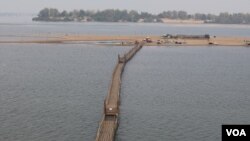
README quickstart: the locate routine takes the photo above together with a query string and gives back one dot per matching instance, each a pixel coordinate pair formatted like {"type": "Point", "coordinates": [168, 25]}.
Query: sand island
{"type": "Point", "coordinates": [151, 40]}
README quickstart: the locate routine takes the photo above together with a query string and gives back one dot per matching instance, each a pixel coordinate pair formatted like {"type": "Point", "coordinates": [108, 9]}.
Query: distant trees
{"type": "Point", "coordinates": [237, 18]}
{"type": "Point", "coordinates": [44, 13]}
{"type": "Point", "coordinates": [49, 13]}
{"type": "Point", "coordinates": [109, 15]}
{"type": "Point", "coordinates": [222, 18]}
{"type": "Point", "coordinates": [134, 16]}
{"type": "Point", "coordinates": [174, 15]}
{"type": "Point", "coordinates": [182, 15]}
{"type": "Point", "coordinates": [63, 14]}
{"type": "Point", "coordinates": [115, 15]}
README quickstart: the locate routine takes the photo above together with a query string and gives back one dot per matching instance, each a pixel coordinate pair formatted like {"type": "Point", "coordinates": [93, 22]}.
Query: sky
{"type": "Point", "coordinates": [152, 6]}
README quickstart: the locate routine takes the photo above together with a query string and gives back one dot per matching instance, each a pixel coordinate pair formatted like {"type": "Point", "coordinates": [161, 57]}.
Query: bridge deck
{"type": "Point", "coordinates": [115, 87]}
{"type": "Point", "coordinates": [107, 129]}
{"type": "Point", "coordinates": [109, 123]}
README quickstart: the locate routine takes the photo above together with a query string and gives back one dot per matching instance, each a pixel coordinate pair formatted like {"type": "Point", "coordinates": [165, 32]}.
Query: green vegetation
{"type": "Point", "coordinates": [111, 15]}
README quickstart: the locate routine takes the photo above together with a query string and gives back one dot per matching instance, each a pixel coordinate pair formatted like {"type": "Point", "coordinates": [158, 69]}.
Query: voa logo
{"type": "Point", "coordinates": [236, 132]}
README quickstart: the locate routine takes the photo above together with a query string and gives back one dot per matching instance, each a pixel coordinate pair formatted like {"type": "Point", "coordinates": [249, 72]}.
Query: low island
{"type": "Point", "coordinates": [153, 40]}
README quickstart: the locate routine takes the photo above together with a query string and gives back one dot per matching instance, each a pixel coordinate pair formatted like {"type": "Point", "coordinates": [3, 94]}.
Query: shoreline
{"type": "Point", "coordinates": [124, 40]}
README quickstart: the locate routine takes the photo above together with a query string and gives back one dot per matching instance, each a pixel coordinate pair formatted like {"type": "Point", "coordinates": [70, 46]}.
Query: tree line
{"type": "Point", "coordinates": [115, 15]}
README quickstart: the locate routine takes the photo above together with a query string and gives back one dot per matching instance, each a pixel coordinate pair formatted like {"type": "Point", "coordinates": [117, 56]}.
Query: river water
{"type": "Point", "coordinates": [184, 94]}
{"type": "Point", "coordinates": [35, 30]}
{"type": "Point", "coordinates": [56, 92]}
{"type": "Point", "coordinates": [51, 92]}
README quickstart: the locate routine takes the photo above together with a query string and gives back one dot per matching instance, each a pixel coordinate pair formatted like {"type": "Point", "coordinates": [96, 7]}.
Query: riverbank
{"type": "Point", "coordinates": [130, 39]}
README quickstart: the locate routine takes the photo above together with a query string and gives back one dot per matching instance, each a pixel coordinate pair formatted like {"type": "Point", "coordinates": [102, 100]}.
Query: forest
{"type": "Point", "coordinates": [116, 15]}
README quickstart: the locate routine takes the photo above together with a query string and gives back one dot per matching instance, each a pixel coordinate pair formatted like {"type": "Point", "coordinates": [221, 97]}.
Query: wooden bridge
{"type": "Point", "coordinates": [109, 123]}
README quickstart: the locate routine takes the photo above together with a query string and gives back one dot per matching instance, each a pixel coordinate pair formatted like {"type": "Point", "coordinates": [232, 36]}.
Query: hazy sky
{"type": "Point", "coordinates": [153, 6]}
